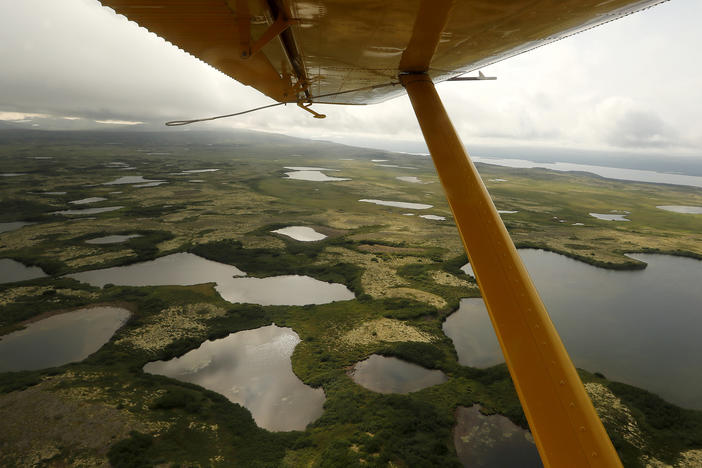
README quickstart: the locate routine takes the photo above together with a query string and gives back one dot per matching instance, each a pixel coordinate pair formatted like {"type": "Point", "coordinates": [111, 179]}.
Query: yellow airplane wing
{"type": "Point", "coordinates": [312, 48]}
{"type": "Point", "coordinates": [365, 51]}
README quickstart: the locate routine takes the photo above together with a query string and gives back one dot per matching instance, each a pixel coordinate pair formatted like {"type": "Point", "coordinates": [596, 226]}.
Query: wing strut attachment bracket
{"type": "Point", "coordinates": [249, 49]}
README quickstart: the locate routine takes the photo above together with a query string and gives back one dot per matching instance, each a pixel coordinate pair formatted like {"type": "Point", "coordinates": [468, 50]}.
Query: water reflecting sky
{"type": "Point", "coordinates": [640, 327]}
{"type": "Point", "coordinates": [251, 368]}
{"type": "Point", "coordinates": [392, 375]}
{"type": "Point", "coordinates": [60, 339]}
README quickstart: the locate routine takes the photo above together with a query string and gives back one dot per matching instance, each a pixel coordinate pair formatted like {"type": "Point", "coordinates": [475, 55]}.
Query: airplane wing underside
{"type": "Point", "coordinates": [352, 51]}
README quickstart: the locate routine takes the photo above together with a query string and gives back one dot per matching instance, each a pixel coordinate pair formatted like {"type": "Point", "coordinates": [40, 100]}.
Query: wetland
{"type": "Point", "coordinates": [214, 290]}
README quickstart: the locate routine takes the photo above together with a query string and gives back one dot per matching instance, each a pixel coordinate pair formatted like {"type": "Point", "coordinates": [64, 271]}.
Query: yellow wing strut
{"type": "Point", "coordinates": [566, 428]}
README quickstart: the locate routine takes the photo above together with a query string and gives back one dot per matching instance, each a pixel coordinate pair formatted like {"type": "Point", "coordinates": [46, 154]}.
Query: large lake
{"type": "Point", "coordinates": [618, 173]}
{"type": "Point", "coordinates": [186, 269]}
{"type": "Point", "coordinates": [60, 339]}
{"type": "Point", "coordinates": [641, 327]}
{"type": "Point", "coordinates": [251, 368]}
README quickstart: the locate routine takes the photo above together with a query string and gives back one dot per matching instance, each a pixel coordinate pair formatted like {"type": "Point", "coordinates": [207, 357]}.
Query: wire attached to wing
{"type": "Point", "coordinates": [176, 123]}
{"type": "Point", "coordinates": [304, 104]}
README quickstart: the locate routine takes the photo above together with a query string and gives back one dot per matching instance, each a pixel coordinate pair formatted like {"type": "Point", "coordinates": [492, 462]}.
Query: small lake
{"type": "Point", "coordinates": [609, 217]}
{"type": "Point", "coordinates": [682, 209]}
{"type": "Point", "coordinates": [640, 327]}
{"type": "Point", "coordinates": [151, 184]}
{"type": "Point", "coordinates": [301, 233]}
{"type": "Point", "coordinates": [251, 368]}
{"type": "Point", "coordinates": [116, 239]}
{"type": "Point", "coordinates": [433, 217]}
{"type": "Point", "coordinates": [11, 271]}
{"type": "Point", "coordinates": [411, 179]}
{"type": "Point", "coordinates": [131, 180]}
{"type": "Point", "coordinates": [12, 226]}
{"type": "Point", "coordinates": [85, 201]}
{"type": "Point", "coordinates": [185, 269]}
{"type": "Point", "coordinates": [397, 204]}
{"type": "Point", "coordinates": [492, 441]}
{"type": "Point", "coordinates": [60, 339]}
{"type": "Point", "coordinates": [283, 290]}
{"type": "Point", "coordinates": [88, 211]}
{"type": "Point", "coordinates": [313, 174]}
{"type": "Point", "coordinates": [195, 171]}
{"type": "Point", "coordinates": [392, 375]}
{"type": "Point", "coordinates": [395, 166]}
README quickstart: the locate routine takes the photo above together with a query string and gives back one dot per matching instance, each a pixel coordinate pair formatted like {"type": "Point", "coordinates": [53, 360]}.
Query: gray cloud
{"type": "Point", "coordinates": [640, 129]}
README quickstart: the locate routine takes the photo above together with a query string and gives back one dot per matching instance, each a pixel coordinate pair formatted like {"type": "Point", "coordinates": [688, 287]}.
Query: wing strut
{"type": "Point", "coordinates": [564, 423]}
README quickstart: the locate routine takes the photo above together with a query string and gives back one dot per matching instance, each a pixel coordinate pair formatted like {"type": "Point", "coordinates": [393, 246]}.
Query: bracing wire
{"type": "Point", "coordinates": [176, 123]}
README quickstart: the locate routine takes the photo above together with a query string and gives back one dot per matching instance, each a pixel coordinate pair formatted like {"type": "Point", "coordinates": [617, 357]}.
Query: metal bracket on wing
{"type": "Point", "coordinates": [480, 77]}
{"type": "Point", "coordinates": [306, 106]}
{"type": "Point", "coordinates": [249, 48]}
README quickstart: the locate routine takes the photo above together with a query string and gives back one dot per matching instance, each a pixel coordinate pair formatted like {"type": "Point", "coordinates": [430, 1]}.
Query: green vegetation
{"type": "Point", "coordinates": [404, 270]}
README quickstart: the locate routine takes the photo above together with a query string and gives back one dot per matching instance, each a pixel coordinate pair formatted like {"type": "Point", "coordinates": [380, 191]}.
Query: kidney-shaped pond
{"type": "Point", "coordinates": [60, 339]}
{"type": "Point", "coordinates": [186, 269]}
{"type": "Point", "coordinates": [640, 327]}
{"type": "Point", "coordinates": [391, 375]}
{"type": "Point", "coordinates": [251, 368]}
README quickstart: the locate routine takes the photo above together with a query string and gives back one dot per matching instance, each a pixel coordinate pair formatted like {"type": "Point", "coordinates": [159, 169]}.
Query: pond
{"type": "Point", "coordinates": [84, 201]}
{"type": "Point", "coordinates": [151, 184]}
{"type": "Point", "coordinates": [115, 239]}
{"type": "Point", "coordinates": [195, 171]}
{"type": "Point", "coordinates": [682, 209]}
{"type": "Point", "coordinates": [392, 375]}
{"type": "Point", "coordinates": [411, 179]}
{"type": "Point", "coordinates": [433, 217]}
{"type": "Point", "coordinates": [313, 174]}
{"type": "Point", "coordinates": [396, 166]}
{"type": "Point", "coordinates": [301, 233]}
{"type": "Point", "coordinates": [640, 327]}
{"type": "Point", "coordinates": [60, 339]}
{"type": "Point", "coordinates": [131, 180]}
{"type": "Point", "coordinates": [251, 368]}
{"type": "Point", "coordinates": [397, 204]}
{"type": "Point", "coordinates": [184, 269]}
{"type": "Point", "coordinates": [12, 226]}
{"type": "Point", "coordinates": [492, 441]}
{"type": "Point", "coordinates": [11, 271]}
{"type": "Point", "coordinates": [88, 211]}
{"type": "Point", "coordinates": [609, 217]}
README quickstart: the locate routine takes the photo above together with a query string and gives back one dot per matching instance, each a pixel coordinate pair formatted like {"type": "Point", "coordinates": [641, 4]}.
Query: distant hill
{"type": "Point", "coordinates": [259, 144]}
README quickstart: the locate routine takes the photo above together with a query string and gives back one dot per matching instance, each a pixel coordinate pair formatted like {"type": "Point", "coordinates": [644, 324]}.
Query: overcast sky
{"type": "Point", "coordinates": [631, 85]}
